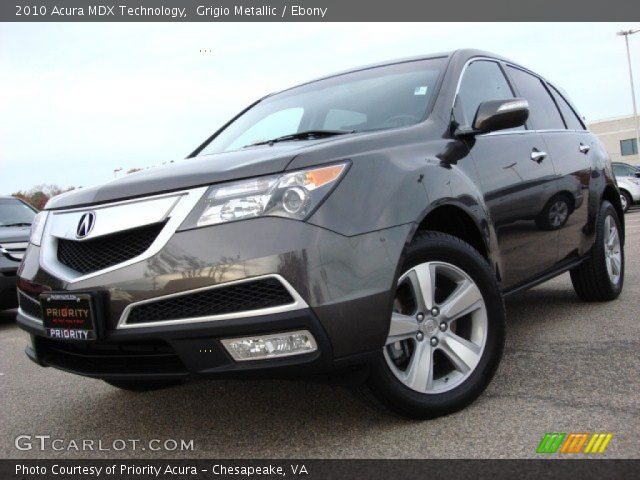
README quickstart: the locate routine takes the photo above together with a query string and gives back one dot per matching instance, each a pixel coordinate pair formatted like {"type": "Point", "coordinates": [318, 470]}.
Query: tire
{"type": "Point", "coordinates": [142, 385]}
{"type": "Point", "coordinates": [555, 213]}
{"type": "Point", "coordinates": [625, 200]}
{"type": "Point", "coordinates": [592, 280]}
{"type": "Point", "coordinates": [453, 256]}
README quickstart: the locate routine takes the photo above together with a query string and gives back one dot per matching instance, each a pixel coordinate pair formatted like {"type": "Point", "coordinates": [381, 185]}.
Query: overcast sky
{"type": "Point", "coordinates": [79, 100]}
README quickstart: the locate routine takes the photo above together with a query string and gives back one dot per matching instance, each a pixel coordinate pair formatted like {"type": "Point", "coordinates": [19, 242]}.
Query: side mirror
{"type": "Point", "coordinates": [495, 115]}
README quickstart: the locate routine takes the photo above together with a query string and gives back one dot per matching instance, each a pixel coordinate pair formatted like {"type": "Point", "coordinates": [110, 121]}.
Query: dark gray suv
{"type": "Point", "coordinates": [367, 222]}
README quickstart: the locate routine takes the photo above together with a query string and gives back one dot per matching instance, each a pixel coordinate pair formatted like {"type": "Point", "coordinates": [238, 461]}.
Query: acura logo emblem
{"type": "Point", "coordinates": [85, 225]}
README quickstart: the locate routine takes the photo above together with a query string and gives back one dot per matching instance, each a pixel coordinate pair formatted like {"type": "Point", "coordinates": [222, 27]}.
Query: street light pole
{"type": "Point", "coordinates": [625, 34]}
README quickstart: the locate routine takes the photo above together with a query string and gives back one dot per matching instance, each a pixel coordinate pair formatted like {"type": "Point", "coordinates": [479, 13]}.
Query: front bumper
{"type": "Point", "coordinates": [180, 351]}
{"type": "Point", "coordinates": [346, 284]}
{"type": "Point", "coordinates": [8, 298]}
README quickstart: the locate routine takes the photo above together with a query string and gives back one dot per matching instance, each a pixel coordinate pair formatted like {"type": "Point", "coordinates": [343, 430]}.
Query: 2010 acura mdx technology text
{"type": "Point", "coordinates": [370, 222]}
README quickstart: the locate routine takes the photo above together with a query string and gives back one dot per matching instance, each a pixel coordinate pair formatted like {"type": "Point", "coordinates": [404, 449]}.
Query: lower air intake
{"type": "Point", "coordinates": [252, 295]}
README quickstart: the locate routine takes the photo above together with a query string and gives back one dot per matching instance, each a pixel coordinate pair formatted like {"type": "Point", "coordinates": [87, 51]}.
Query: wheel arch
{"type": "Point", "coordinates": [456, 220]}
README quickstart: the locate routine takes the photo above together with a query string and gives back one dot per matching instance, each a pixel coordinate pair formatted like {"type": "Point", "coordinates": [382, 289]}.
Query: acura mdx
{"type": "Point", "coordinates": [370, 221]}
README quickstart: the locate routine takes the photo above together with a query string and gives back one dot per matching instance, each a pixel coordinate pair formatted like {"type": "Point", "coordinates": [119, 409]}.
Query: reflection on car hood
{"type": "Point", "coordinates": [187, 173]}
{"type": "Point", "coordinates": [14, 234]}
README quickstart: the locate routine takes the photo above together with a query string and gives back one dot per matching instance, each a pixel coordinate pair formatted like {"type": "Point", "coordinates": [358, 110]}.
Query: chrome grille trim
{"type": "Point", "coordinates": [28, 298]}
{"type": "Point", "coordinates": [172, 208]}
{"type": "Point", "coordinates": [297, 304]}
{"type": "Point", "coordinates": [29, 317]}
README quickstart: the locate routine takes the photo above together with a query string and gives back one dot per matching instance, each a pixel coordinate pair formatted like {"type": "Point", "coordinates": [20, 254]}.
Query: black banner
{"type": "Point", "coordinates": [315, 11]}
{"type": "Point", "coordinates": [315, 469]}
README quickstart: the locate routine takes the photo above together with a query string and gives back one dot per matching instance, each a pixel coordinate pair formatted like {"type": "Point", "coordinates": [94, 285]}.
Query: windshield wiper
{"type": "Point", "coordinates": [306, 135]}
{"type": "Point", "coordinates": [19, 224]}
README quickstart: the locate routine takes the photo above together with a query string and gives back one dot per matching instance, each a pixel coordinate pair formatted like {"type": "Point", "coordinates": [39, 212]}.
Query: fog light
{"type": "Point", "coordinates": [270, 346]}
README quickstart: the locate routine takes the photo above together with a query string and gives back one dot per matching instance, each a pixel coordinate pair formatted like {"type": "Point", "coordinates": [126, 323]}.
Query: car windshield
{"type": "Point", "coordinates": [372, 99]}
{"type": "Point", "coordinates": [14, 213]}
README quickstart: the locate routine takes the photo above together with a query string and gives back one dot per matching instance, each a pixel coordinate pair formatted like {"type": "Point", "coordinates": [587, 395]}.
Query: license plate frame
{"type": "Point", "coordinates": [69, 316]}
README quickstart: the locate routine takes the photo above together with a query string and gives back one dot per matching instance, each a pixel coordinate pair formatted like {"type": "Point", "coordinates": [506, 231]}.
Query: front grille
{"type": "Point", "coordinates": [252, 295]}
{"type": "Point", "coordinates": [103, 252]}
{"type": "Point", "coordinates": [29, 305]}
{"type": "Point", "coordinates": [133, 357]}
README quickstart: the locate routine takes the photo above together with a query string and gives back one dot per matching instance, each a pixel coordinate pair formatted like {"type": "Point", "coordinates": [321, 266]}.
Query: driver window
{"type": "Point", "coordinates": [482, 80]}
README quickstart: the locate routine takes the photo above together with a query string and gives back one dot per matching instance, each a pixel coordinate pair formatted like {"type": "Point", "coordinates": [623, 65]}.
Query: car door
{"type": "Point", "coordinates": [515, 176]}
{"type": "Point", "coordinates": [574, 175]}
{"type": "Point", "coordinates": [567, 211]}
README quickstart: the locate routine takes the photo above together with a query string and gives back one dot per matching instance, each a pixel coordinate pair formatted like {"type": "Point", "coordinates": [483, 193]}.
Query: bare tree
{"type": "Point", "coordinates": [39, 195]}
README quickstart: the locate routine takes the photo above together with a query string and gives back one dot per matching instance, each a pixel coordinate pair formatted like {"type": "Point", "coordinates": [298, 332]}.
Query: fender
{"type": "Point", "coordinates": [462, 193]}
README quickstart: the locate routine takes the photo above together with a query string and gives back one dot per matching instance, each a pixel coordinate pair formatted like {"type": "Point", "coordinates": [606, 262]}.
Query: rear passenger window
{"type": "Point", "coordinates": [543, 113]}
{"type": "Point", "coordinates": [482, 80]}
{"type": "Point", "coordinates": [570, 117]}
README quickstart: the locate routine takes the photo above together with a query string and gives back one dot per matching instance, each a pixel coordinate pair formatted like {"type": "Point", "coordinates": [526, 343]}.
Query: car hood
{"type": "Point", "coordinates": [193, 172]}
{"type": "Point", "coordinates": [14, 234]}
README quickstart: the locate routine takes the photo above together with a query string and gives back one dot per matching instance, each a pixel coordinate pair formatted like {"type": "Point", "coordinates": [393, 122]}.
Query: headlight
{"type": "Point", "coordinates": [37, 227]}
{"type": "Point", "coordinates": [290, 195]}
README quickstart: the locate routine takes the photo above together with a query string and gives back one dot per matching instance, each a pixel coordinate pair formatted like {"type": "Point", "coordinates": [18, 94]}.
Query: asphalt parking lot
{"type": "Point", "coordinates": [569, 366]}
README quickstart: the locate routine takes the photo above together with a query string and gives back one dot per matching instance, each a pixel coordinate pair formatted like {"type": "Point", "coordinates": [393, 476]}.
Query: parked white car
{"type": "Point", "coordinates": [628, 183]}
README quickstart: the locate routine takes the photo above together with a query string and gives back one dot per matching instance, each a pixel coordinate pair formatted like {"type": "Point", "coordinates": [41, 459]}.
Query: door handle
{"type": "Point", "coordinates": [537, 155]}
{"type": "Point", "coordinates": [584, 148]}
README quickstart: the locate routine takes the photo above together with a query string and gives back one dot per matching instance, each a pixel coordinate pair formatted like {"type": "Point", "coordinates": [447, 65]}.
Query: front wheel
{"type": "Point", "coordinates": [446, 332]}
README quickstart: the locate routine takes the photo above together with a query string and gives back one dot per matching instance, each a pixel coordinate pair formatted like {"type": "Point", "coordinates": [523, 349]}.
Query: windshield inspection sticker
{"type": "Point", "coordinates": [420, 90]}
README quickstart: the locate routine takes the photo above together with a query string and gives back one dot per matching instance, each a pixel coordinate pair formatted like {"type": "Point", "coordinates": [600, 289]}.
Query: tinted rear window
{"type": "Point", "coordinates": [570, 117]}
{"type": "Point", "coordinates": [543, 113]}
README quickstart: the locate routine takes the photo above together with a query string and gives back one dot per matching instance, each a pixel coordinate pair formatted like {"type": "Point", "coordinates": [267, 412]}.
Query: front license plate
{"type": "Point", "coordinates": [68, 316]}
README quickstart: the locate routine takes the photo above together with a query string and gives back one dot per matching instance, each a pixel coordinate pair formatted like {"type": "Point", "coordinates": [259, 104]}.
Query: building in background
{"type": "Point", "coordinates": [619, 137]}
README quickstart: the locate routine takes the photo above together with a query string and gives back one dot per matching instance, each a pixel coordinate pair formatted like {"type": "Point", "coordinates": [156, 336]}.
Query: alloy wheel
{"type": "Point", "coordinates": [438, 328]}
{"type": "Point", "coordinates": [612, 250]}
{"type": "Point", "coordinates": [623, 201]}
{"type": "Point", "coordinates": [558, 213]}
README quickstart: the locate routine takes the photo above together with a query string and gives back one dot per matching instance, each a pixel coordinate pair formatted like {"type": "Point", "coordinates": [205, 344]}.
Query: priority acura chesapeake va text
{"type": "Point", "coordinates": [370, 221]}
